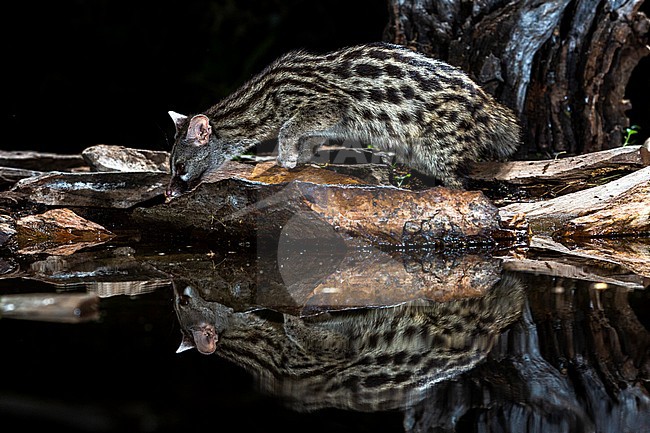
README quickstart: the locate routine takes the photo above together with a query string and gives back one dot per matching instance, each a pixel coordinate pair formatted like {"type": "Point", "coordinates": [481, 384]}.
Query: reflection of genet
{"type": "Point", "coordinates": [362, 359]}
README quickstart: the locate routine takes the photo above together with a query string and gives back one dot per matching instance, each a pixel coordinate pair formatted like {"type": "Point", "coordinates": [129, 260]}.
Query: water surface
{"type": "Point", "coordinates": [305, 336]}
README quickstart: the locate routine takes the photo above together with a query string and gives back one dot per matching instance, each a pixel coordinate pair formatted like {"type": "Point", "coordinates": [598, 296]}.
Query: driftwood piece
{"type": "Point", "coordinates": [106, 190]}
{"type": "Point", "coordinates": [551, 216]}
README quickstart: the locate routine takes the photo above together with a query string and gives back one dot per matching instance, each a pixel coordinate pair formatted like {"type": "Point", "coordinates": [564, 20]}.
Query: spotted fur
{"type": "Point", "coordinates": [366, 359]}
{"type": "Point", "coordinates": [431, 115]}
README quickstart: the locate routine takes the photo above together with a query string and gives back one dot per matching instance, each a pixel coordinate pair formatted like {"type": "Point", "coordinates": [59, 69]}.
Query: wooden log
{"type": "Point", "coordinates": [550, 217]}
{"type": "Point", "coordinates": [561, 170]}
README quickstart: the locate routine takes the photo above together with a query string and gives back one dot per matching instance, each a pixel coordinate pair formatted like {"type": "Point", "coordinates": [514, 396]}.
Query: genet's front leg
{"type": "Point", "coordinates": [301, 136]}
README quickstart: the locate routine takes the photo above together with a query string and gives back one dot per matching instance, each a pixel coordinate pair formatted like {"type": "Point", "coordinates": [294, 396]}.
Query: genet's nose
{"type": "Point", "coordinates": [171, 193]}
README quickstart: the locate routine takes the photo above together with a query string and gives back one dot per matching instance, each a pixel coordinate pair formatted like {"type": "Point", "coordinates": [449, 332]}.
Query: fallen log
{"type": "Point", "coordinates": [562, 170]}
{"type": "Point", "coordinates": [604, 202]}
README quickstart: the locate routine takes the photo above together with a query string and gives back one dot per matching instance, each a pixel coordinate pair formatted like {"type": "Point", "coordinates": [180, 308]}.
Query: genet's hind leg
{"type": "Point", "coordinates": [439, 160]}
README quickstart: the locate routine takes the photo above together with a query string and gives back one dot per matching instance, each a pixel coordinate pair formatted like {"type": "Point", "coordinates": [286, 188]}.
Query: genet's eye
{"type": "Point", "coordinates": [183, 300]}
{"type": "Point", "coordinates": [180, 168]}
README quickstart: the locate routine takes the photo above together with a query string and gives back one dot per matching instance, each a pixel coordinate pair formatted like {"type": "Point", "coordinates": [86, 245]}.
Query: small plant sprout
{"type": "Point", "coordinates": [629, 132]}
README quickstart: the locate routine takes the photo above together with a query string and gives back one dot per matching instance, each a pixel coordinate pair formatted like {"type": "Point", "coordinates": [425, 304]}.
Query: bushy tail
{"type": "Point", "coordinates": [504, 136]}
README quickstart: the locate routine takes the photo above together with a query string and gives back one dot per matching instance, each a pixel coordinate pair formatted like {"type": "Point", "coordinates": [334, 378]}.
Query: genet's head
{"type": "Point", "coordinates": [196, 151]}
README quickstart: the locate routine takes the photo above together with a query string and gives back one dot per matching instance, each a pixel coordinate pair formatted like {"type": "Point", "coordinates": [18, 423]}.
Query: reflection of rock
{"type": "Point", "coordinates": [363, 359]}
{"type": "Point", "coordinates": [108, 273]}
{"type": "Point", "coordinates": [302, 276]}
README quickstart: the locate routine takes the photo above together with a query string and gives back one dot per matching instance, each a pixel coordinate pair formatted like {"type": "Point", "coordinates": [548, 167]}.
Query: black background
{"type": "Point", "coordinates": [80, 73]}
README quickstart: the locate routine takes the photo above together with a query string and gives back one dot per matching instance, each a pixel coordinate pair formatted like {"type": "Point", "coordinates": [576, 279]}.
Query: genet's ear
{"type": "Point", "coordinates": [186, 344]}
{"type": "Point", "coordinates": [199, 130]}
{"type": "Point", "coordinates": [177, 118]}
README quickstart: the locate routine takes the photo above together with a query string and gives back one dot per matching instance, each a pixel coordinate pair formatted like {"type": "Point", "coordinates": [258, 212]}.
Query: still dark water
{"type": "Point", "coordinates": [320, 338]}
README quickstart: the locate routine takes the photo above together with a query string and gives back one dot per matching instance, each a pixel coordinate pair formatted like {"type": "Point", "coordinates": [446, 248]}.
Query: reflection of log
{"type": "Point", "coordinates": [50, 307]}
{"type": "Point", "coordinates": [630, 256]}
{"type": "Point", "coordinates": [582, 362]}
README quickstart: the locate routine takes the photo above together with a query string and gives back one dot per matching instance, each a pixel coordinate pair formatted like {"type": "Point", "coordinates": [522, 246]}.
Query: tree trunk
{"type": "Point", "coordinates": [562, 65]}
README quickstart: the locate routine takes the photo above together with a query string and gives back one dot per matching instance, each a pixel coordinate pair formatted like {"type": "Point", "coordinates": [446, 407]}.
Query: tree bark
{"type": "Point", "coordinates": [562, 65]}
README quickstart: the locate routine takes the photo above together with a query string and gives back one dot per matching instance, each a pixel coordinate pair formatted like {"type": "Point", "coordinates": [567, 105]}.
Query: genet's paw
{"type": "Point", "coordinates": [287, 163]}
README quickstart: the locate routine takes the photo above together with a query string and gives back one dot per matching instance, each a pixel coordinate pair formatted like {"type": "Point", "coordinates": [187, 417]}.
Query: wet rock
{"type": "Point", "coordinates": [41, 161]}
{"type": "Point", "coordinates": [104, 190]}
{"type": "Point", "coordinates": [7, 228]}
{"type": "Point", "coordinates": [120, 158]}
{"type": "Point", "coordinates": [9, 176]}
{"type": "Point", "coordinates": [270, 173]}
{"type": "Point", "coordinates": [381, 214]}
{"type": "Point", "coordinates": [58, 231]}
